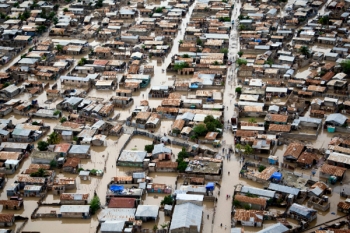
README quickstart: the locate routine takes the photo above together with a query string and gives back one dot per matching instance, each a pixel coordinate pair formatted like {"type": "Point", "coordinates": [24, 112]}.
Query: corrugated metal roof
{"type": "Point", "coordinates": [187, 215]}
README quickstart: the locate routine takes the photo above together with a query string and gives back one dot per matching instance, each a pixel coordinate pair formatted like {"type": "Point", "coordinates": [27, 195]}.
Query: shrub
{"type": "Point", "coordinates": [149, 148]}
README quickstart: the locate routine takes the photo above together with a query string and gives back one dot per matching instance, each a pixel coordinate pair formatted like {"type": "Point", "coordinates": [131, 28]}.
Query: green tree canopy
{"type": "Point", "coordinates": [95, 204]}
{"type": "Point", "coordinates": [168, 200]}
{"type": "Point", "coordinates": [181, 65]}
{"type": "Point", "coordinates": [345, 65]}
{"type": "Point", "coordinates": [54, 138]}
{"type": "Point", "coordinates": [200, 130]}
{"type": "Point", "coordinates": [241, 61]}
{"type": "Point", "coordinates": [42, 145]}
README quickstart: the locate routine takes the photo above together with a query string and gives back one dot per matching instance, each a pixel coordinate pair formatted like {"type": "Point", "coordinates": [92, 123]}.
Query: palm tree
{"type": "Point", "coordinates": [304, 50]}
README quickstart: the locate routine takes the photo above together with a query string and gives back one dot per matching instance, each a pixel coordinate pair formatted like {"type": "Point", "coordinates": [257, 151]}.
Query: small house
{"type": "Point", "coordinates": [186, 218]}
{"type": "Point", "coordinates": [75, 211]}
{"type": "Point", "coordinates": [328, 170]}
{"type": "Point", "coordinates": [307, 159]}
{"type": "Point", "coordinates": [33, 190]}
{"type": "Point", "coordinates": [183, 198]}
{"type": "Point", "coordinates": [79, 151]}
{"type": "Point", "coordinates": [113, 227]}
{"type": "Point", "coordinates": [252, 218]}
{"type": "Point", "coordinates": [74, 198]}
{"type": "Point", "coordinates": [254, 203]}
{"type": "Point", "coordinates": [24, 180]}
{"type": "Point", "coordinates": [303, 212]}
{"type": "Point", "coordinates": [161, 152]}
{"type": "Point", "coordinates": [11, 204]}
{"type": "Point", "coordinates": [147, 212]}
{"type": "Point", "coordinates": [132, 158]}
{"type": "Point", "coordinates": [12, 190]}
{"type": "Point", "coordinates": [67, 183]}
{"type": "Point", "coordinates": [71, 165]}
{"type": "Point", "coordinates": [44, 157]}
{"type": "Point", "coordinates": [7, 220]}
{"type": "Point", "coordinates": [122, 202]}
{"type": "Point", "coordinates": [293, 152]}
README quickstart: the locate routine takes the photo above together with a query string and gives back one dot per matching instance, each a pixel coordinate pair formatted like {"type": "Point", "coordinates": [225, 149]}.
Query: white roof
{"type": "Point", "coordinates": [187, 215]}
{"type": "Point", "coordinates": [276, 89]}
{"type": "Point", "coordinates": [75, 209]}
{"type": "Point", "coordinates": [189, 197]}
{"type": "Point", "coordinates": [147, 211]}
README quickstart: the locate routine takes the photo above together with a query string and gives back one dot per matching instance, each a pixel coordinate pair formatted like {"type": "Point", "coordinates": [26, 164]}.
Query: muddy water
{"type": "Point", "coordinates": [105, 157]}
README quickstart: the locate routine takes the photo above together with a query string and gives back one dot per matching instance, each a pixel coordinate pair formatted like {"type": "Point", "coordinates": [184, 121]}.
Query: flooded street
{"type": "Point", "coordinates": [217, 210]}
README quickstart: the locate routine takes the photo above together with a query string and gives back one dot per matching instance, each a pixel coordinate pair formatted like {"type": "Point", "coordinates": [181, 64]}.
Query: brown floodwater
{"type": "Point", "coordinates": [105, 157]}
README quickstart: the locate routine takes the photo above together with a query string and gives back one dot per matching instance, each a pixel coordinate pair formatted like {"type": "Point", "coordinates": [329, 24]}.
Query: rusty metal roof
{"type": "Point", "coordinates": [294, 150]}
{"type": "Point", "coordinates": [333, 170]}
{"type": "Point", "coordinates": [251, 200]}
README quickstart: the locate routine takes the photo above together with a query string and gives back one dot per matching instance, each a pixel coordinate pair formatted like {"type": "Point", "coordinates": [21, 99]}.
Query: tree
{"type": "Point", "coordinates": [182, 154]}
{"type": "Point", "coordinates": [211, 126]}
{"type": "Point", "coordinates": [82, 61]}
{"type": "Point", "coordinates": [59, 48]}
{"type": "Point", "coordinates": [324, 20]}
{"type": "Point", "coordinates": [186, 56]}
{"type": "Point", "coordinates": [241, 27]}
{"type": "Point", "coordinates": [261, 168]}
{"type": "Point", "coordinates": [54, 138]}
{"type": "Point", "coordinates": [238, 147]}
{"type": "Point", "coordinates": [199, 42]}
{"type": "Point", "coordinates": [224, 51]}
{"type": "Point", "coordinates": [238, 90]}
{"type": "Point", "coordinates": [53, 163]}
{"type": "Point", "coordinates": [155, 228]}
{"type": "Point", "coordinates": [241, 61]}
{"type": "Point", "coordinates": [248, 149]}
{"type": "Point", "coordinates": [200, 130]}
{"type": "Point", "coordinates": [40, 173]}
{"type": "Point", "coordinates": [181, 166]}
{"type": "Point", "coordinates": [55, 20]}
{"type": "Point", "coordinates": [181, 65]}
{"type": "Point", "coordinates": [16, 4]}
{"type": "Point", "coordinates": [42, 145]}
{"type": "Point", "coordinates": [345, 65]}
{"type": "Point", "coordinates": [63, 119]}
{"type": "Point", "coordinates": [240, 53]}
{"type": "Point", "coordinates": [65, 10]}
{"type": "Point", "coordinates": [95, 204]}
{"type": "Point", "coordinates": [252, 120]}
{"type": "Point", "coordinates": [57, 112]}
{"type": "Point", "coordinates": [149, 148]}
{"type": "Point", "coordinates": [24, 16]}
{"type": "Point", "coordinates": [164, 225]}
{"type": "Point", "coordinates": [181, 41]}
{"type": "Point", "coordinates": [168, 200]}
{"type": "Point", "coordinates": [6, 84]}
{"type": "Point", "coordinates": [269, 62]}
{"type": "Point", "coordinates": [304, 50]}
{"type": "Point", "coordinates": [159, 10]}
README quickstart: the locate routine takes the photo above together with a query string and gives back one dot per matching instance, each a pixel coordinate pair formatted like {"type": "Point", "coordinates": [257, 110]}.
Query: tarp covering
{"type": "Point", "coordinates": [276, 176]}
{"type": "Point", "coordinates": [116, 188]}
{"type": "Point", "coordinates": [210, 186]}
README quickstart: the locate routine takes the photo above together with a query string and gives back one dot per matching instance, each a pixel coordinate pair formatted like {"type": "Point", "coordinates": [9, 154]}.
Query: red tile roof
{"type": "Point", "coordinates": [119, 202]}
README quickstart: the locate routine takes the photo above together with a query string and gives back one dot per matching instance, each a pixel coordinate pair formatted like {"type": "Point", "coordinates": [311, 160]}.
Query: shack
{"type": "Point", "coordinates": [75, 211]}
{"type": "Point", "coordinates": [147, 212]}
